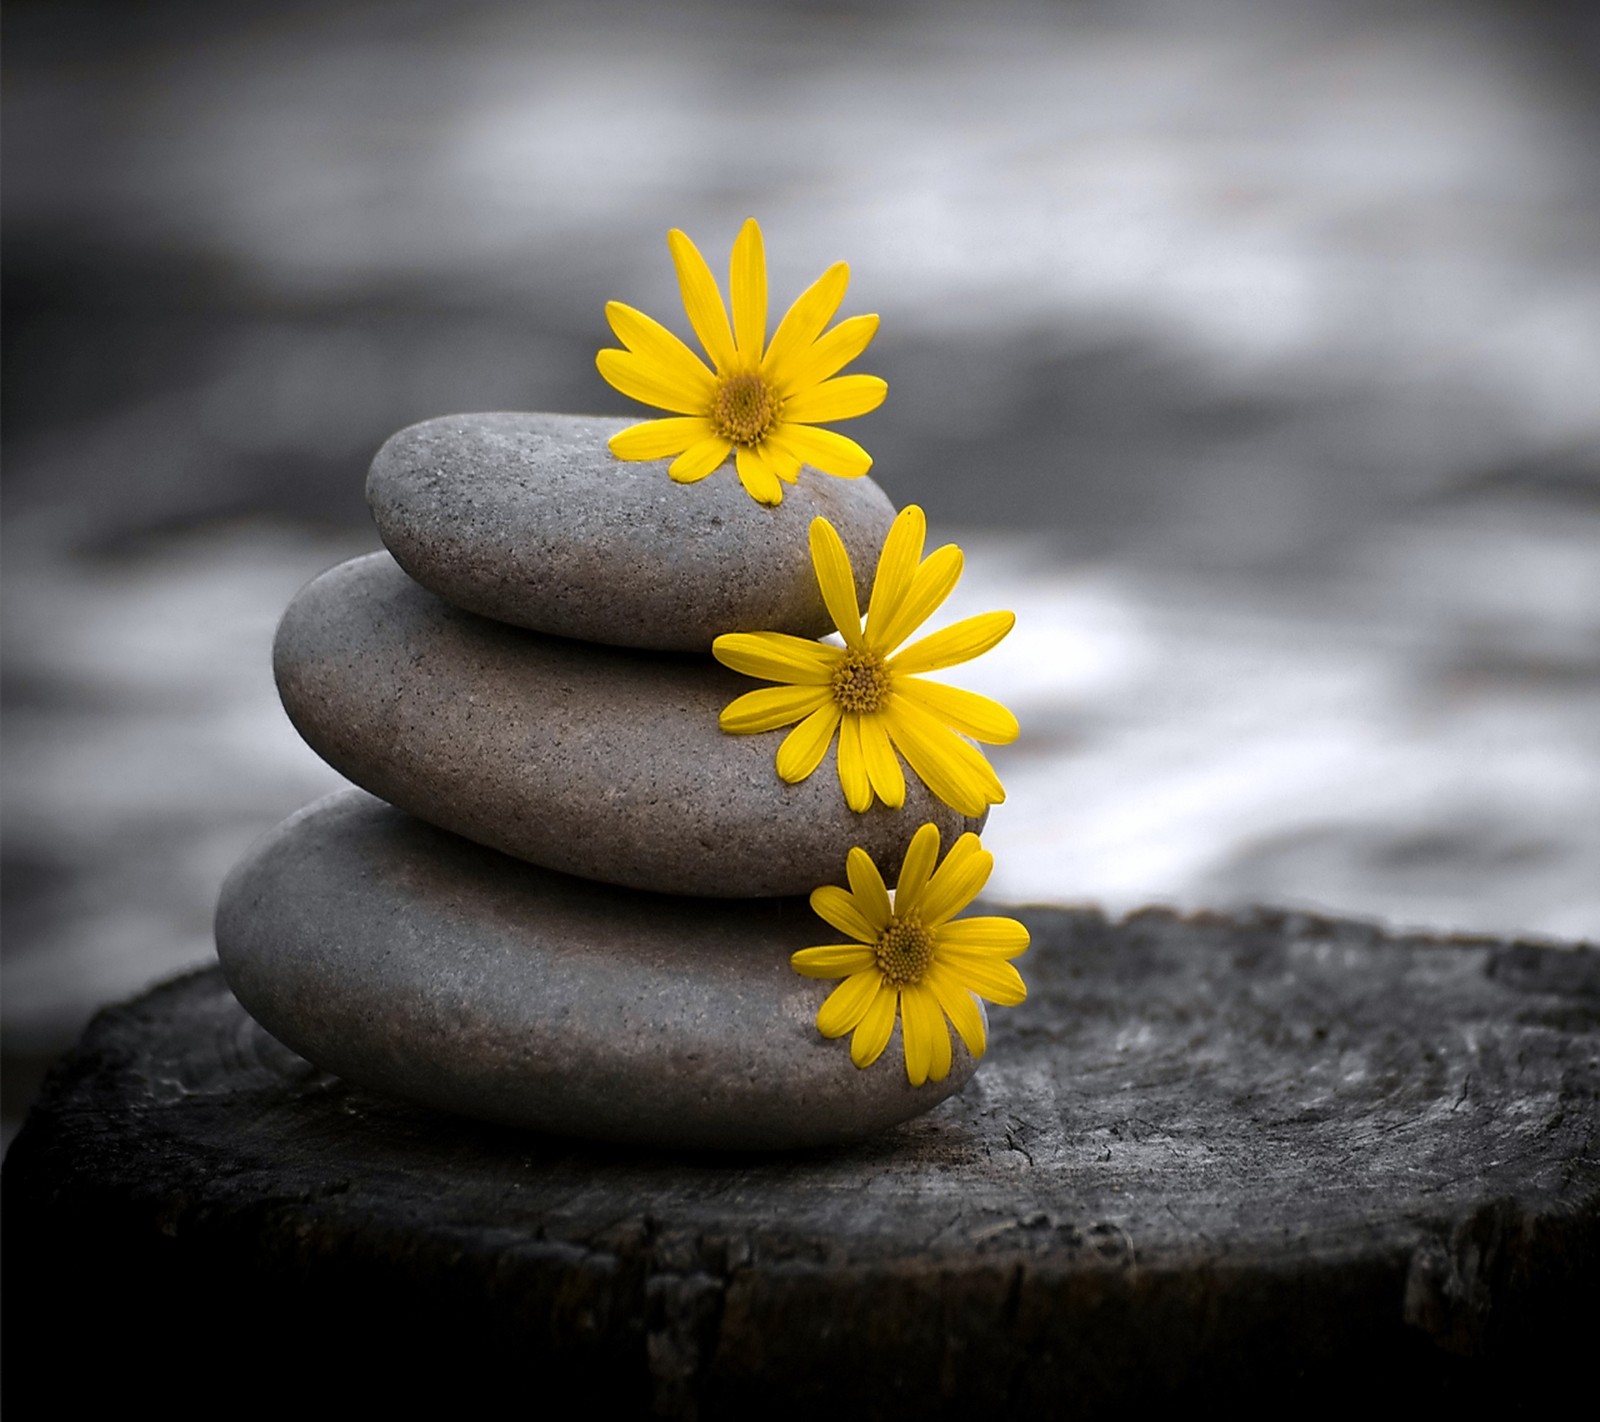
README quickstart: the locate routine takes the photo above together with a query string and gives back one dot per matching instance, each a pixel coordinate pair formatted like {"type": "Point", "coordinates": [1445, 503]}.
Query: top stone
{"type": "Point", "coordinates": [529, 519]}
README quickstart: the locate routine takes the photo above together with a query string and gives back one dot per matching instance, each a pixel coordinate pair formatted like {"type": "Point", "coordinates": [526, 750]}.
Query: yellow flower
{"type": "Point", "coordinates": [871, 695]}
{"type": "Point", "coordinates": [909, 957]}
{"type": "Point", "coordinates": [761, 401]}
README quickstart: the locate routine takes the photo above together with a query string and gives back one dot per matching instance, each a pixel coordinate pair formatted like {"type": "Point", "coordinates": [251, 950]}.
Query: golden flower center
{"type": "Point", "coordinates": [861, 681]}
{"type": "Point", "coordinates": [904, 951]}
{"type": "Point", "coordinates": [743, 408]}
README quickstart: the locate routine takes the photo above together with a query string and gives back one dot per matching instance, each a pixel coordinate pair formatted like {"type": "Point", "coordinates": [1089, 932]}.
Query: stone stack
{"type": "Point", "coordinates": [575, 912]}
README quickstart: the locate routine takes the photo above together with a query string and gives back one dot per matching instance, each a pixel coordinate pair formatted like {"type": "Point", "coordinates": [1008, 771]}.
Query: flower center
{"type": "Point", "coordinates": [743, 408]}
{"type": "Point", "coordinates": [904, 951]}
{"type": "Point", "coordinates": [861, 682]}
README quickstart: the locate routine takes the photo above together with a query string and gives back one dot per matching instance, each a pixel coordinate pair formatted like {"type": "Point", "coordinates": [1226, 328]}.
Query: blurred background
{"type": "Point", "coordinates": [1251, 348]}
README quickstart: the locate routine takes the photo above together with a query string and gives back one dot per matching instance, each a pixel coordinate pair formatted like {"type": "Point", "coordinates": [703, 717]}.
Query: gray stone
{"type": "Point", "coordinates": [592, 760]}
{"type": "Point", "coordinates": [529, 519]}
{"type": "Point", "coordinates": [410, 961]}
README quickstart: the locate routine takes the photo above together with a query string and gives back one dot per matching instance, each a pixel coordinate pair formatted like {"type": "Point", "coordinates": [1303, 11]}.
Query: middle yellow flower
{"type": "Point", "coordinates": [868, 693]}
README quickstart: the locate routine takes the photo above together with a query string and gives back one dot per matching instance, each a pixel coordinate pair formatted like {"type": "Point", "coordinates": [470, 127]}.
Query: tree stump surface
{"type": "Point", "coordinates": [1210, 1158]}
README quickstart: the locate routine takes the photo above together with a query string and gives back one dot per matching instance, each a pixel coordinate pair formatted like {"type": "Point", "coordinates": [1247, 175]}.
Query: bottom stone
{"type": "Point", "coordinates": [408, 960]}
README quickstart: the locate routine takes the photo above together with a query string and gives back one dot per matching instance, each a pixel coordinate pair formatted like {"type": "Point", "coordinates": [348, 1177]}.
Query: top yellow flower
{"type": "Point", "coordinates": [762, 401]}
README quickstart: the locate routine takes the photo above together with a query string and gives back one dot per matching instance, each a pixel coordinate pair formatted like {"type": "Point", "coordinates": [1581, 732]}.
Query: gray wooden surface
{"type": "Point", "coordinates": [1209, 1159]}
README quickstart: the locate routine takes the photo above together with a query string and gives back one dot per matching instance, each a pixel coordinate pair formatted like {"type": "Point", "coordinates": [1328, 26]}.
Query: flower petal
{"type": "Point", "coordinates": [828, 356]}
{"type": "Point", "coordinates": [656, 439]}
{"type": "Point", "coordinates": [956, 882]}
{"type": "Point", "coordinates": [939, 1065]}
{"type": "Point", "coordinates": [989, 977]}
{"type": "Point", "coordinates": [664, 386]}
{"type": "Point", "coordinates": [959, 642]}
{"type": "Point", "coordinates": [934, 581]}
{"type": "Point", "coordinates": [897, 565]}
{"type": "Point", "coordinates": [883, 766]}
{"type": "Point", "coordinates": [950, 767]}
{"type": "Point", "coordinates": [920, 1022]}
{"type": "Point", "coordinates": [777, 656]}
{"type": "Point", "coordinates": [842, 398]}
{"type": "Point", "coordinates": [964, 711]}
{"type": "Point", "coordinates": [701, 300]}
{"type": "Point", "coordinates": [838, 583]}
{"type": "Point", "coordinates": [872, 1036]}
{"type": "Point", "coordinates": [866, 883]}
{"type": "Point", "coordinates": [747, 285]}
{"type": "Point", "coordinates": [803, 748]}
{"type": "Point", "coordinates": [770, 708]}
{"type": "Point", "coordinates": [700, 459]}
{"type": "Point", "coordinates": [832, 960]}
{"type": "Point", "coordinates": [960, 1007]}
{"type": "Point", "coordinates": [840, 908]}
{"type": "Point", "coordinates": [916, 868]}
{"type": "Point", "coordinates": [756, 475]}
{"type": "Point", "coordinates": [853, 778]}
{"type": "Point", "coordinates": [782, 457]}
{"type": "Point", "coordinates": [847, 1004]}
{"type": "Point", "coordinates": [803, 323]}
{"type": "Point", "coordinates": [823, 449]}
{"type": "Point", "coordinates": [1001, 937]}
{"type": "Point", "coordinates": [649, 339]}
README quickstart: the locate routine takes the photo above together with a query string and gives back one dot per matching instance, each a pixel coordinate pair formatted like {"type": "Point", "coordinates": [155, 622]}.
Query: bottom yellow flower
{"type": "Point", "coordinates": [910, 960]}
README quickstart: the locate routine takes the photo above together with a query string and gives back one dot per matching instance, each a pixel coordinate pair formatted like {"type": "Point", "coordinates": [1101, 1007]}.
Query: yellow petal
{"type": "Point", "coordinates": [648, 338]}
{"type": "Point", "coordinates": [782, 457]}
{"type": "Point", "coordinates": [747, 285]}
{"type": "Point", "coordinates": [656, 439]}
{"type": "Point", "coordinates": [837, 581]}
{"type": "Point", "coordinates": [959, 1006]}
{"type": "Point", "coordinates": [833, 960]}
{"type": "Point", "coordinates": [757, 476]}
{"type": "Point", "coordinates": [803, 748]}
{"type": "Point", "coordinates": [956, 882]}
{"type": "Point", "coordinates": [946, 764]}
{"type": "Point", "coordinates": [842, 398]}
{"type": "Point", "coordinates": [666, 387]}
{"type": "Point", "coordinates": [770, 708]}
{"type": "Point", "coordinates": [701, 300]}
{"type": "Point", "coordinates": [920, 1022]}
{"type": "Point", "coordinates": [959, 642]}
{"type": "Point", "coordinates": [827, 357]}
{"type": "Point", "coordinates": [939, 1063]}
{"type": "Point", "coordinates": [1001, 937]}
{"type": "Point", "coordinates": [989, 977]}
{"type": "Point", "coordinates": [699, 459]}
{"type": "Point", "coordinates": [872, 1036]}
{"type": "Point", "coordinates": [867, 885]}
{"type": "Point", "coordinates": [776, 656]}
{"type": "Point", "coordinates": [883, 766]}
{"type": "Point", "coordinates": [840, 908]}
{"type": "Point", "coordinates": [847, 1004]}
{"type": "Point", "coordinates": [897, 565]}
{"type": "Point", "coordinates": [916, 868]}
{"type": "Point", "coordinates": [964, 711]}
{"type": "Point", "coordinates": [850, 915]}
{"type": "Point", "coordinates": [823, 449]}
{"type": "Point", "coordinates": [803, 323]}
{"type": "Point", "coordinates": [853, 779]}
{"type": "Point", "coordinates": [931, 584]}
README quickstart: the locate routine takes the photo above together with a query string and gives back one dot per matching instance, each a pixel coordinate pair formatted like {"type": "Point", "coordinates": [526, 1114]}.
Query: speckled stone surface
{"type": "Point", "coordinates": [408, 960]}
{"type": "Point", "coordinates": [529, 519]}
{"type": "Point", "coordinates": [592, 760]}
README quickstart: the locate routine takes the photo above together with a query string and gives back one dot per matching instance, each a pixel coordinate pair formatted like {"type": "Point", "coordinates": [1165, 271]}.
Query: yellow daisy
{"type": "Point", "coordinates": [909, 958]}
{"type": "Point", "coordinates": [760, 401]}
{"type": "Point", "coordinates": [869, 693]}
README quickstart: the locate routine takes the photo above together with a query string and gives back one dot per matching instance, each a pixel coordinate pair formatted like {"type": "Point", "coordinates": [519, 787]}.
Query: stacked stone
{"type": "Point", "coordinates": [576, 908]}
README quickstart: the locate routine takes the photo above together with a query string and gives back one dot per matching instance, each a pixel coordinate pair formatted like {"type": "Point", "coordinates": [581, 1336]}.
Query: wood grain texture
{"type": "Point", "coordinates": [1209, 1160]}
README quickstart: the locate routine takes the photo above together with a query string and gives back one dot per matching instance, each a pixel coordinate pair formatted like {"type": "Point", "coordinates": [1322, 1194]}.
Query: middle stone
{"type": "Point", "coordinates": [591, 760]}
